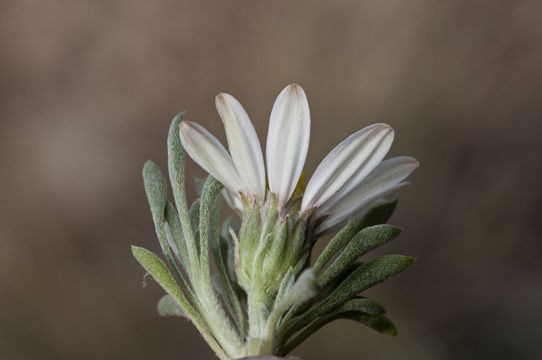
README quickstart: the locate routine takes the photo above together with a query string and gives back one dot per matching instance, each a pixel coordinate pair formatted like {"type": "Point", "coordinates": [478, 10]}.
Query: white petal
{"type": "Point", "coordinates": [209, 153]}
{"type": "Point", "coordinates": [327, 227]}
{"type": "Point", "coordinates": [354, 158]}
{"type": "Point", "coordinates": [244, 145]}
{"type": "Point", "coordinates": [287, 141]}
{"type": "Point", "coordinates": [233, 200]}
{"type": "Point", "coordinates": [384, 179]}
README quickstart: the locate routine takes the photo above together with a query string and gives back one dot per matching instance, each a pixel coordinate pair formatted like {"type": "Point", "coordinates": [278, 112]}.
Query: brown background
{"type": "Point", "coordinates": [86, 95]}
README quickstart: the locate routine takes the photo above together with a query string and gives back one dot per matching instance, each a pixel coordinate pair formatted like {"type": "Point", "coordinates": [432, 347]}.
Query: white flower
{"type": "Point", "coordinates": [351, 179]}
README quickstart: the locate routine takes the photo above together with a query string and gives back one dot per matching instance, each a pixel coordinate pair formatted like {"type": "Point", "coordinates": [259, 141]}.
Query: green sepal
{"type": "Point", "coordinates": [285, 286]}
{"type": "Point", "coordinates": [248, 236]}
{"type": "Point", "coordinates": [304, 288]}
{"type": "Point", "coordinates": [364, 241]}
{"type": "Point", "coordinates": [168, 306]}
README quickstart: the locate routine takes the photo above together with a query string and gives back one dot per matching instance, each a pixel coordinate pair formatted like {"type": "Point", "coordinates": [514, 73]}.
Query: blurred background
{"type": "Point", "coordinates": [87, 93]}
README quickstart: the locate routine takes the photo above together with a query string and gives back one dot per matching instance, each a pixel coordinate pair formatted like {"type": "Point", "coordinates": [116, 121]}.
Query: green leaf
{"type": "Point", "coordinates": [230, 295]}
{"type": "Point", "coordinates": [229, 257]}
{"type": "Point", "coordinates": [211, 189]}
{"type": "Point", "coordinates": [337, 243]}
{"type": "Point", "coordinates": [155, 188]}
{"type": "Point", "coordinates": [363, 242]}
{"type": "Point", "coordinates": [379, 323]}
{"type": "Point", "coordinates": [194, 217]}
{"type": "Point", "coordinates": [158, 270]}
{"type": "Point", "coordinates": [364, 277]}
{"type": "Point", "coordinates": [176, 157]}
{"type": "Point", "coordinates": [378, 215]}
{"type": "Point", "coordinates": [175, 227]}
{"type": "Point", "coordinates": [351, 310]}
{"type": "Point", "coordinates": [361, 304]}
{"type": "Point", "coordinates": [199, 183]}
{"type": "Point", "coordinates": [168, 306]}
{"type": "Point", "coordinates": [226, 225]}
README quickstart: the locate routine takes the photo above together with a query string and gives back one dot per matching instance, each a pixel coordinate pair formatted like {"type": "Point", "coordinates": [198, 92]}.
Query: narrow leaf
{"type": "Point", "coordinates": [176, 229]}
{"type": "Point", "coordinates": [364, 277]}
{"type": "Point", "coordinates": [168, 306]}
{"type": "Point", "coordinates": [361, 304]}
{"type": "Point", "coordinates": [337, 243]}
{"type": "Point", "coordinates": [379, 323]}
{"type": "Point", "coordinates": [230, 295]}
{"type": "Point", "coordinates": [155, 188]}
{"type": "Point", "coordinates": [158, 270]}
{"type": "Point", "coordinates": [377, 215]}
{"type": "Point", "coordinates": [229, 256]}
{"type": "Point", "coordinates": [363, 242]}
{"type": "Point", "coordinates": [198, 183]}
{"type": "Point", "coordinates": [208, 202]}
{"type": "Point", "coordinates": [176, 157]}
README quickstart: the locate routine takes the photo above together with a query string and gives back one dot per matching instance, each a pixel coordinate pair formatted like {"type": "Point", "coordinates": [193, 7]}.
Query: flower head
{"type": "Point", "coordinates": [350, 179]}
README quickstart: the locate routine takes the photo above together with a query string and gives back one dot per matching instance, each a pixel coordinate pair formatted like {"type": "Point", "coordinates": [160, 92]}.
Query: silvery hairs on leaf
{"type": "Point", "coordinates": [249, 286]}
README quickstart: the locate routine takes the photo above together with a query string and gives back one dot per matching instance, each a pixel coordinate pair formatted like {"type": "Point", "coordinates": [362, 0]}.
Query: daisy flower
{"type": "Point", "coordinates": [348, 181]}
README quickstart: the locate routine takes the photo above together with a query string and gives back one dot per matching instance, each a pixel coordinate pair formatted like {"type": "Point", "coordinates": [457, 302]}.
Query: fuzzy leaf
{"type": "Point", "coordinates": [228, 291]}
{"type": "Point", "coordinates": [175, 227]}
{"type": "Point", "coordinates": [364, 277]}
{"type": "Point", "coordinates": [229, 257]}
{"type": "Point", "coordinates": [378, 215]}
{"type": "Point", "coordinates": [158, 270]}
{"type": "Point", "coordinates": [362, 304]}
{"type": "Point", "coordinates": [168, 306]}
{"type": "Point", "coordinates": [194, 214]}
{"type": "Point", "coordinates": [208, 202]}
{"type": "Point", "coordinates": [199, 183]}
{"type": "Point", "coordinates": [363, 242]}
{"type": "Point", "coordinates": [176, 157]}
{"type": "Point", "coordinates": [379, 323]}
{"type": "Point", "coordinates": [155, 188]}
{"type": "Point", "coordinates": [337, 243]}
{"type": "Point", "coordinates": [351, 310]}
